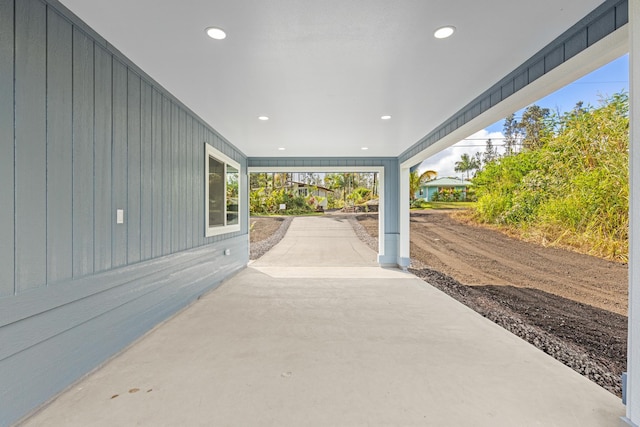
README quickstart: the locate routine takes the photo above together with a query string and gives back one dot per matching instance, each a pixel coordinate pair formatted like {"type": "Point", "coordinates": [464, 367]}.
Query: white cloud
{"type": "Point", "coordinates": [444, 161]}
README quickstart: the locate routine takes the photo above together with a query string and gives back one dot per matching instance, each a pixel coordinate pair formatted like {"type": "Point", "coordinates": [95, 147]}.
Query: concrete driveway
{"type": "Point", "coordinates": [316, 334]}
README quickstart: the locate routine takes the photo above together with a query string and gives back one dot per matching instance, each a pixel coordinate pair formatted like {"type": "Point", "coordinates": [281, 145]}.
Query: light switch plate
{"type": "Point", "coordinates": [119, 216]}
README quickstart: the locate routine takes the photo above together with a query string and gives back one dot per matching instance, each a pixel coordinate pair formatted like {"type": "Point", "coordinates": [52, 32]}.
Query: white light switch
{"type": "Point", "coordinates": [119, 216]}
{"type": "Point", "coordinates": [227, 252]}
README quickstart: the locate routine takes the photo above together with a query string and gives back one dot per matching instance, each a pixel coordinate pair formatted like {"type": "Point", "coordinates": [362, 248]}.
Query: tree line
{"type": "Point", "coordinates": [268, 191]}
{"type": "Point", "coordinates": [527, 133]}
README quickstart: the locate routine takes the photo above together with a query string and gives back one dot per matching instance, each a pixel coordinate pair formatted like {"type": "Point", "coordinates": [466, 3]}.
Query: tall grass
{"type": "Point", "coordinates": [573, 190]}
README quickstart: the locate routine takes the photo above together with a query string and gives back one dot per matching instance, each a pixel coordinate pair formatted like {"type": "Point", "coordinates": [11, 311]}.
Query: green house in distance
{"type": "Point", "coordinates": [443, 188]}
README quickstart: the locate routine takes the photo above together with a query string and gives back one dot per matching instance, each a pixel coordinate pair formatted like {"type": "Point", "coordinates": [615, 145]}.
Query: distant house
{"type": "Point", "coordinates": [304, 190]}
{"type": "Point", "coordinates": [442, 186]}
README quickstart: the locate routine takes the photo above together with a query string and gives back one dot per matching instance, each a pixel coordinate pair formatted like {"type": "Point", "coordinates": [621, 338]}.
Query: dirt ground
{"type": "Point", "coordinates": [572, 306]}
{"type": "Point", "coordinates": [477, 256]}
{"type": "Point", "coordinates": [263, 227]}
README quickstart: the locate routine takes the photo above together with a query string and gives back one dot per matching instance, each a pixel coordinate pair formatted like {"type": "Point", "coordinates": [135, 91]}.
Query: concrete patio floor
{"type": "Point", "coordinates": [316, 334]}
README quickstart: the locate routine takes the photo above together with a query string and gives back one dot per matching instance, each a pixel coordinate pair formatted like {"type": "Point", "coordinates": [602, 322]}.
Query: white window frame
{"type": "Point", "coordinates": [227, 161]}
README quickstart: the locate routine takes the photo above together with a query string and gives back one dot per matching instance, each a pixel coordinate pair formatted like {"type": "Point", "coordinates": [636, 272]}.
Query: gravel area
{"type": "Point", "coordinates": [257, 249]}
{"type": "Point", "coordinates": [362, 233]}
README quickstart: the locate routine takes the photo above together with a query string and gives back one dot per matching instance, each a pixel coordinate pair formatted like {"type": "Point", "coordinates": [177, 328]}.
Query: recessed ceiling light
{"type": "Point", "coordinates": [281, 148]}
{"type": "Point", "coordinates": [385, 117]}
{"type": "Point", "coordinates": [444, 32]}
{"type": "Point", "coordinates": [216, 33]}
{"type": "Point", "coordinates": [263, 118]}
{"type": "Point", "coordinates": [364, 148]}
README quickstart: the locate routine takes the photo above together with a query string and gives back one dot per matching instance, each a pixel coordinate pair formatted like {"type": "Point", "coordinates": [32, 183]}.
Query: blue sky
{"type": "Point", "coordinates": [605, 81]}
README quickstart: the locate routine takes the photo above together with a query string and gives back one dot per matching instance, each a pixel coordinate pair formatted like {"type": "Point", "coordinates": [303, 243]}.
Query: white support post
{"type": "Point", "coordinates": [403, 242]}
{"type": "Point", "coordinates": [633, 345]}
{"type": "Point", "coordinates": [382, 216]}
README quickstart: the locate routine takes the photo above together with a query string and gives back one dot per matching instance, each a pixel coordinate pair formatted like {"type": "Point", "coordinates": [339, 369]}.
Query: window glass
{"type": "Point", "coordinates": [216, 193]}
{"type": "Point", "coordinates": [223, 198]}
{"type": "Point", "coordinates": [233, 176]}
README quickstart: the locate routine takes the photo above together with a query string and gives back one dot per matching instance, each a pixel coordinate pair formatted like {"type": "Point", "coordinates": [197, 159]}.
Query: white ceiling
{"type": "Point", "coordinates": [324, 71]}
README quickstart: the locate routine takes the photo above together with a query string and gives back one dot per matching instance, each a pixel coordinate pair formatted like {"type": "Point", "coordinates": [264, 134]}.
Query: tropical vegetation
{"type": "Point", "coordinates": [567, 184]}
{"type": "Point", "coordinates": [270, 191]}
{"type": "Point", "coordinates": [467, 164]}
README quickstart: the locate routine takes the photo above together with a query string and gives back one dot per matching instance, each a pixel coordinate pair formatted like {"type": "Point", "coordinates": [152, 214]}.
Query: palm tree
{"type": "Point", "coordinates": [339, 181]}
{"type": "Point", "coordinates": [416, 181]}
{"type": "Point", "coordinates": [428, 175]}
{"type": "Point", "coordinates": [466, 164]}
{"type": "Point", "coordinates": [414, 185]}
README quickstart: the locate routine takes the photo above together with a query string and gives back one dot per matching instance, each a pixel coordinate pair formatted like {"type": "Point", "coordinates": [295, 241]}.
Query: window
{"type": "Point", "coordinates": [222, 176]}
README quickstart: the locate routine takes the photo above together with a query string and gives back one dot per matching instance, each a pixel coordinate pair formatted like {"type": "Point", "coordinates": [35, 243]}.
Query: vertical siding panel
{"type": "Point", "coordinates": [6, 149]}
{"type": "Point", "coordinates": [104, 212]}
{"type": "Point", "coordinates": [166, 177]}
{"type": "Point", "coordinates": [188, 151]}
{"type": "Point", "coordinates": [82, 154]}
{"type": "Point", "coordinates": [119, 163]}
{"type": "Point", "coordinates": [179, 180]}
{"type": "Point", "coordinates": [200, 180]}
{"type": "Point", "coordinates": [195, 144]}
{"type": "Point", "coordinates": [156, 182]}
{"type": "Point", "coordinates": [183, 178]}
{"type": "Point", "coordinates": [174, 166]}
{"type": "Point", "coordinates": [30, 145]}
{"type": "Point", "coordinates": [133, 168]}
{"type": "Point", "coordinates": [59, 148]}
{"type": "Point", "coordinates": [193, 182]}
{"type": "Point", "coordinates": [146, 201]}
{"type": "Point", "coordinates": [206, 139]}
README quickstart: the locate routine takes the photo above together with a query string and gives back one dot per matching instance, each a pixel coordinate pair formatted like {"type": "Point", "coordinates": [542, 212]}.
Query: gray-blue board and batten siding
{"type": "Point", "coordinates": [84, 132]}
